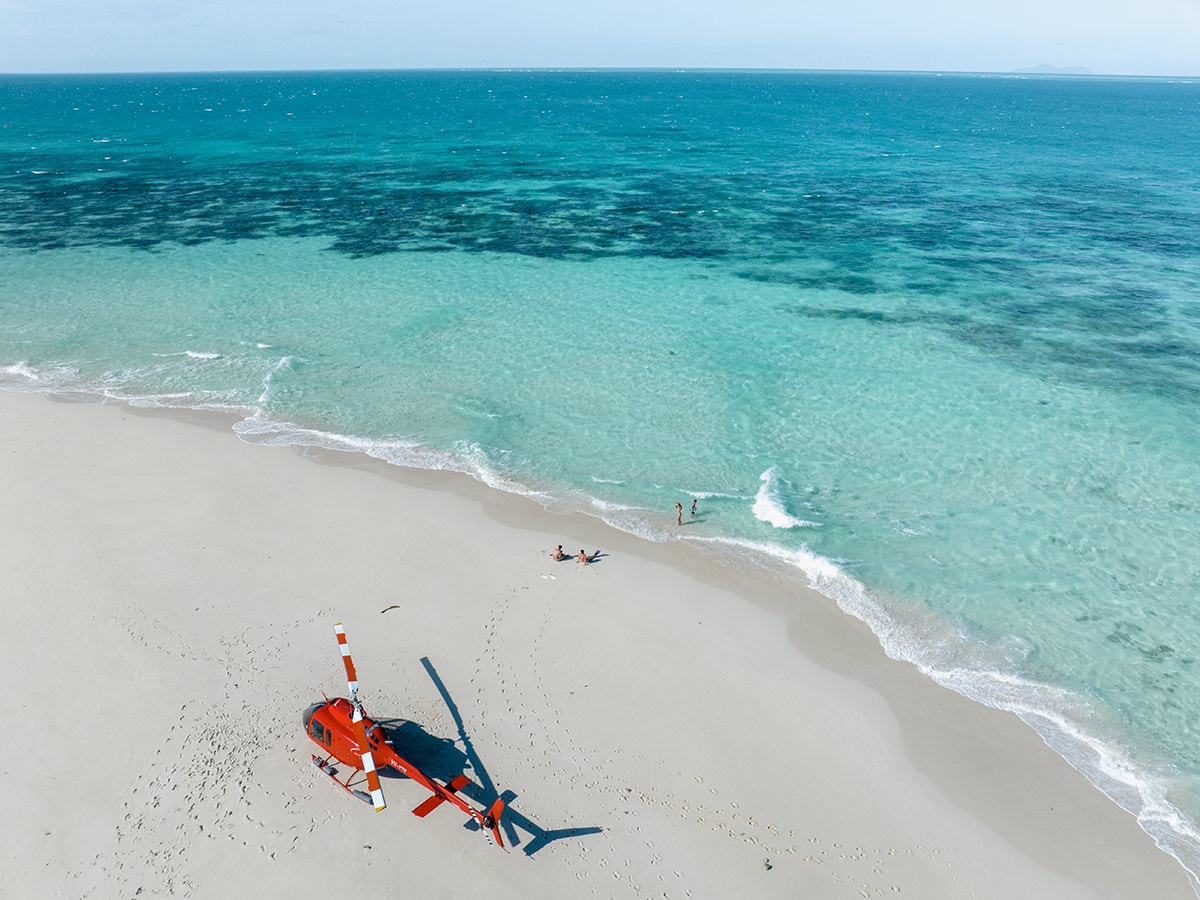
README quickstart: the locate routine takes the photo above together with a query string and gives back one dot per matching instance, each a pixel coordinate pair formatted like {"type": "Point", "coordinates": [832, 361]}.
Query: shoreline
{"type": "Point", "coordinates": [877, 778]}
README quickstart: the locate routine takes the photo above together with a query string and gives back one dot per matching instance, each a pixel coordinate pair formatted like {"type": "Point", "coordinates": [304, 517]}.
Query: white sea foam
{"type": "Point", "coordinates": [193, 354]}
{"type": "Point", "coordinates": [41, 379]}
{"type": "Point", "coordinates": [468, 458]}
{"type": "Point", "coordinates": [284, 363]}
{"type": "Point", "coordinates": [116, 386]}
{"type": "Point", "coordinates": [21, 370]}
{"type": "Point", "coordinates": [768, 506]}
{"type": "Point", "coordinates": [607, 506]}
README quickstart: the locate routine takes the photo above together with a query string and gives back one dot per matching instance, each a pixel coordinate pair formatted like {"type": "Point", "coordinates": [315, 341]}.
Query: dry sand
{"type": "Point", "coordinates": [664, 727]}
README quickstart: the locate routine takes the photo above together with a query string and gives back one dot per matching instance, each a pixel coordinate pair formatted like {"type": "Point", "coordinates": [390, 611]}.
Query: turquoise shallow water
{"type": "Point", "coordinates": [927, 342]}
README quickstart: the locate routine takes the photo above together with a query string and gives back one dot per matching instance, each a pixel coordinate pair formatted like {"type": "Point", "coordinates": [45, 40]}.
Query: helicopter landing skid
{"type": "Point", "coordinates": [326, 766]}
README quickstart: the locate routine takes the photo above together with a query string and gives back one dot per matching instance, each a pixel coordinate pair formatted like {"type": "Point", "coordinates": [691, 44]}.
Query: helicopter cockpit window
{"type": "Point", "coordinates": [319, 733]}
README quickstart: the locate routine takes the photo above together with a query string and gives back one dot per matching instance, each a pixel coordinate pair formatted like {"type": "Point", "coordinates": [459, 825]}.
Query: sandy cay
{"type": "Point", "coordinates": [663, 727]}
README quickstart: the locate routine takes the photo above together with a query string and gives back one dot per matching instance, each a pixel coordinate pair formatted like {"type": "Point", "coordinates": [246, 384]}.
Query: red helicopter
{"type": "Point", "coordinates": [343, 733]}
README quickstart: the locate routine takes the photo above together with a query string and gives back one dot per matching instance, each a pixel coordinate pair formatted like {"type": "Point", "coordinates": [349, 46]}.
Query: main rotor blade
{"type": "Point", "coordinates": [351, 675]}
{"type": "Point", "coordinates": [356, 719]}
{"type": "Point", "coordinates": [368, 760]}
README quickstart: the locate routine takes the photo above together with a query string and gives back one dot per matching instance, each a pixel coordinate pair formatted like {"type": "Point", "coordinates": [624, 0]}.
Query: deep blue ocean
{"type": "Point", "coordinates": [930, 343]}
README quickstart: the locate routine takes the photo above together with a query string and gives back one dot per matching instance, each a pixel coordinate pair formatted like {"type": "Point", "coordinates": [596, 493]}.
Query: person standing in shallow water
{"type": "Point", "coordinates": [678, 513]}
{"type": "Point", "coordinates": [693, 506]}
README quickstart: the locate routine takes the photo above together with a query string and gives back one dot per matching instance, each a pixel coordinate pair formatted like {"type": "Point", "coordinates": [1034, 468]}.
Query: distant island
{"type": "Point", "coordinates": [1053, 70]}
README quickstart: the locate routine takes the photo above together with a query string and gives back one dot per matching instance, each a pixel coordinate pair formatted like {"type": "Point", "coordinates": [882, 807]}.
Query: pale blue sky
{"type": "Point", "coordinates": [1123, 37]}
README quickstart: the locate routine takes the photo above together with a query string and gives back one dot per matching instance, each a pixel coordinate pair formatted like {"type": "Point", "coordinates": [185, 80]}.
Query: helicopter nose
{"type": "Point", "coordinates": [308, 714]}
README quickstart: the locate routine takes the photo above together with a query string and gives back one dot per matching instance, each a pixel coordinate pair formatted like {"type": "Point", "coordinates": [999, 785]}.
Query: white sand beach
{"type": "Point", "coordinates": [664, 727]}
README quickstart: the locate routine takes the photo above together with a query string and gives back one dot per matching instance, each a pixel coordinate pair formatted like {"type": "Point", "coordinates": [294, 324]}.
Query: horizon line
{"type": "Point", "coordinates": [1040, 71]}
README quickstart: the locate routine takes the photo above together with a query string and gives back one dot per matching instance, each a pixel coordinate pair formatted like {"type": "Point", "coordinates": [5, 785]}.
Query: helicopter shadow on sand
{"type": "Point", "coordinates": [442, 758]}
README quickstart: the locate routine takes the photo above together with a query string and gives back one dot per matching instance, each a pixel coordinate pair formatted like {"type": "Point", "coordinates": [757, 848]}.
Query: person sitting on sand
{"type": "Point", "coordinates": [585, 559]}
{"type": "Point", "coordinates": [558, 554]}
